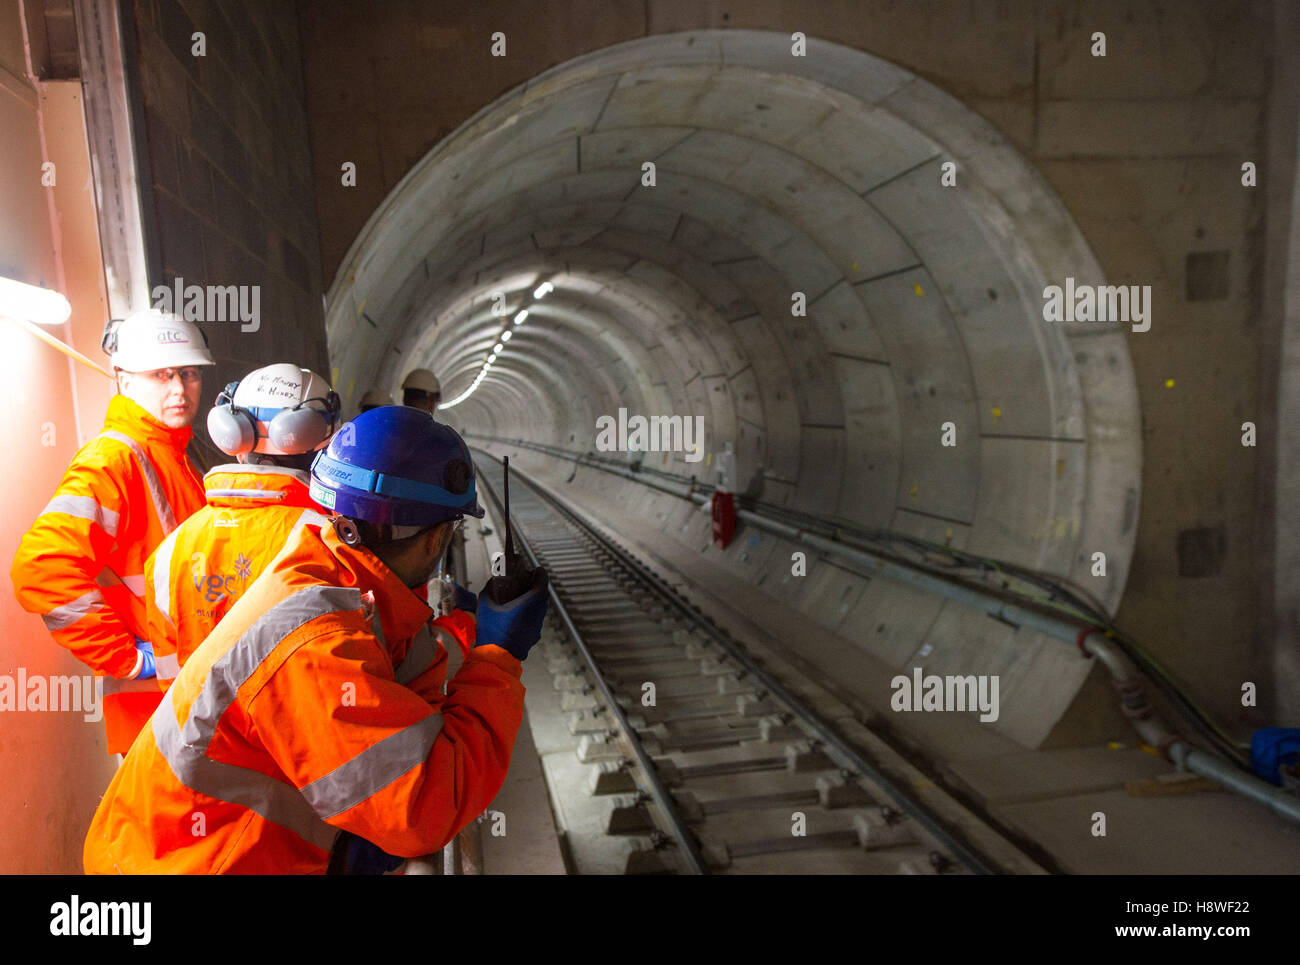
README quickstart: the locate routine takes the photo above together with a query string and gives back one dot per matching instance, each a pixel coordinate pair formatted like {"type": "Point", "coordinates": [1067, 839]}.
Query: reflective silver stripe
{"type": "Point", "coordinates": [134, 584]}
{"type": "Point", "coordinates": [418, 659]}
{"type": "Point", "coordinates": [454, 655]}
{"type": "Point", "coordinates": [273, 800]}
{"type": "Point", "coordinates": [162, 576]}
{"type": "Point", "coordinates": [185, 747]}
{"type": "Point", "coordinates": [238, 468]}
{"type": "Point", "coordinates": [167, 667]}
{"type": "Point", "coordinates": [68, 614]}
{"type": "Point", "coordinates": [147, 686]}
{"type": "Point", "coordinates": [83, 507]}
{"type": "Point", "coordinates": [160, 504]}
{"type": "Point", "coordinates": [270, 495]}
{"type": "Point", "coordinates": [373, 769]}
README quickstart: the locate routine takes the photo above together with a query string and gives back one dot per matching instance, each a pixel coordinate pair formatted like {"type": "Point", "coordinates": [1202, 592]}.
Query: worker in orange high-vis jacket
{"type": "Point", "coordinates": [81, 565]}
{"type": "Point", "coordinates": [315, 706]}
{"type": "Point", "coordinates": [273, 421]}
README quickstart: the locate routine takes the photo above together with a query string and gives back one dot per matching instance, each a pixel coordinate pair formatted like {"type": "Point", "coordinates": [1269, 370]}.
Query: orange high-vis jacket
{"type": "Point", "coordinates": [315, 706]}
{"type": "Point", "coordinates": [81, 565]}
{"type": "Point", "coordinates": [198, 572]}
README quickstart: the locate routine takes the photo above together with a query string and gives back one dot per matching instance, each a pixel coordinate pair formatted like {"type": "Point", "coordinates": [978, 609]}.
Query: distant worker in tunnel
{"type": "Point", "coordinates": [81, 565]}
{"type": "Point", "coordinates": [374, 399]}
{"type": "Point", "coordinates": [317, 704]}
{"type": "Point", "coordinates": [422, 390]}
{"type": "Point", "coordinates": [273, 421]}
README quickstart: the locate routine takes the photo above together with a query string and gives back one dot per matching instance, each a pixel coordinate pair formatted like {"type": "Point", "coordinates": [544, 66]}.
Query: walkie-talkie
{"type": "Point", "coordinates": [518, 576]}
{"type": "Point", "coordinates": [510, 540]}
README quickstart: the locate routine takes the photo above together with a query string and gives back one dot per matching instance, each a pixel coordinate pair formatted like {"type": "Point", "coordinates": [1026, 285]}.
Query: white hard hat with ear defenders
{"type": "Point", "coordinates": [279, 410]}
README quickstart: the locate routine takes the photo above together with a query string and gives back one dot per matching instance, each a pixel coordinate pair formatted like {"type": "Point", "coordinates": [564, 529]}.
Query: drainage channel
{"type": "Point", "coordinates": [715, 765]}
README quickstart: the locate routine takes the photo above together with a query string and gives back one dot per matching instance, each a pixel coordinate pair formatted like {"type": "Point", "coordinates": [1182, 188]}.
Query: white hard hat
{"type": "Point", "coordinates": [423, 380]}
{"type": "Point", "coordinates": [151, 340]}
{"type": "Point", "coordinates": [374, 399]}
{"type": "Point", "coordinates": [279, 410]}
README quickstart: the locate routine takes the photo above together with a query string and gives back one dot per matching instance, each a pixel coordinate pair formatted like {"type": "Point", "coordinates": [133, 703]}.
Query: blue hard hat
{"type": "Point", "coordinates": [395, 465]}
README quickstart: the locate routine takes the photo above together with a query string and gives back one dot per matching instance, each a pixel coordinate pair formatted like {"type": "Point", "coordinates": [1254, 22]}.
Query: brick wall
{"type": "Point", "coordinates": [231, 173]}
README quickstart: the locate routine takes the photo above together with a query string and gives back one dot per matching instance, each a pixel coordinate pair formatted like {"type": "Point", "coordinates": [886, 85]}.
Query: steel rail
{"type": "Point", "coordinates": [847, 755]}
{"type": "Point", "coordinates": [688, 847]}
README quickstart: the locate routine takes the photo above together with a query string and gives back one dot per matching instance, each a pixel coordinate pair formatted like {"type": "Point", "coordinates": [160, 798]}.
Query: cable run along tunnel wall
{"type": "Point", "coordinates": [775, 174]}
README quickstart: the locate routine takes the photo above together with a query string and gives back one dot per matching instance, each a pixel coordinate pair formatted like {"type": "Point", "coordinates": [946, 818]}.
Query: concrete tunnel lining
{"type": "Point", "coordinates": [776, 174]}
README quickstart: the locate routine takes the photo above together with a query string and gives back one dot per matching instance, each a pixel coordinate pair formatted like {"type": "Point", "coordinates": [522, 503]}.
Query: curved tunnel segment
{"type": "Point", "coordinates": [838, 268]}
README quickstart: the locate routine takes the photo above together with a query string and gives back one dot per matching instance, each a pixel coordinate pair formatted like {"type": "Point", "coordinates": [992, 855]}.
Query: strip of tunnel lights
{"type": "Point", "coordinates": [541, 291]}
{"type": "Point", "coordinates": [40, 305]}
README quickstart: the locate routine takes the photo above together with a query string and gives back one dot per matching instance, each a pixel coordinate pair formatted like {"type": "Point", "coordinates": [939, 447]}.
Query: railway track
{"type": "Point", "coordinates": [715, 765]}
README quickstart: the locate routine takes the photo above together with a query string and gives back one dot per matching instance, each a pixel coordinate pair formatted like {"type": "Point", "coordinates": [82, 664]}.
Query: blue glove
{"type": "Point", "coordinates": [357, 856]}
{"type": "Point", "coordinates": [147, 668]}
{"type": "Point", "coordinates": [510, 613]}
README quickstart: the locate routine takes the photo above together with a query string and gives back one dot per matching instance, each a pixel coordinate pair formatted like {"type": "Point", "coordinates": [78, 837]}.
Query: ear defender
{"type": "Point", "coordinates": [347, 530]}
{"type": "Point", "coordinates": [302, 428]}
{"type": "Point", "coordinates": [108, 341]}
{"type": "Point", "coordinates": [232, 429]}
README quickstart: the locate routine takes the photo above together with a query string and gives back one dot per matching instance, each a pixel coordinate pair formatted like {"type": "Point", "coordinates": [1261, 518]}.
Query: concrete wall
{"type": "Point", "coordinates": [1143, 148]}
{"type": "Point", "coordinates": [231, 172]}
{"type": "Point", "coordinates": [1278, 499]}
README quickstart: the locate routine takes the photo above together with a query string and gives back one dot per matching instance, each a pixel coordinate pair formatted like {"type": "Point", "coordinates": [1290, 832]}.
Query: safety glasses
{"type": "Point", "coordinates": [189, 375]}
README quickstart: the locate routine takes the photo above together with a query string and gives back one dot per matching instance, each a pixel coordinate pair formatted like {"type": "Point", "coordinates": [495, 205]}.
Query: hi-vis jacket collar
{"type": "Point", "coordinates": [128, 417]}
{"type": "Point", "coordinates": [401, 612]}
{"type": "Point", "coordinates": [242, 485]}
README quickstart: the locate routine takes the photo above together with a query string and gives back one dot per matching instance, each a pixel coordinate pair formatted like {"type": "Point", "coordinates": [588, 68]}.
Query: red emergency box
{"type": "Point", "coordinates": [724, 519]}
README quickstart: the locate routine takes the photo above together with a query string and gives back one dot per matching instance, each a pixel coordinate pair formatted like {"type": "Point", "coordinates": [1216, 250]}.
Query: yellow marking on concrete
{"type": "Point", "coordinates": [918, 290]}
{"type": "Point", "coordinates": [997, 413]}
{"type": "Point", "coordinates": [1169, 383]}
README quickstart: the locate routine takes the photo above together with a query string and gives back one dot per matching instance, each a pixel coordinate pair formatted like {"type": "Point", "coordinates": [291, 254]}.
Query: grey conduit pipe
{"type": "Point", "coordinates": [1127, 679]}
